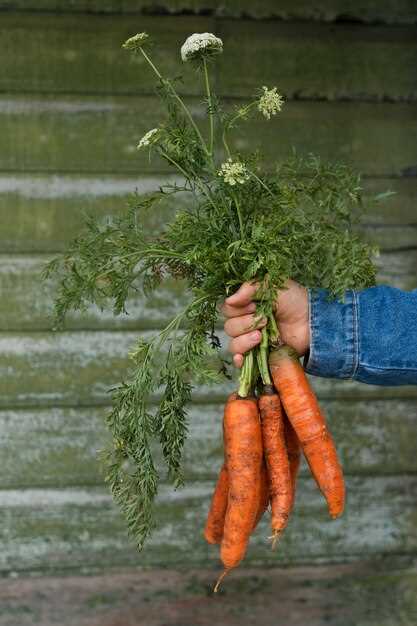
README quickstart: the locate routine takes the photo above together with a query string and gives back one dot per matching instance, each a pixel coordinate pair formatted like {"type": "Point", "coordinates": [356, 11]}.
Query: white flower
{"type": "Point", "coordinates": [148, 138]}
{"type": "Point", "coordinates": [199, 45]}
{"type": "Point", "coordinates": [136, 42]}
{"type": "Point", "coordinates": [270, 102]}
{"type": "Point", "coordinates": [233, 172]}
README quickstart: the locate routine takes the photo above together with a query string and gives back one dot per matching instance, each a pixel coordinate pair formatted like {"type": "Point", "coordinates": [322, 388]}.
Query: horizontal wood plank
{"type": "Point", "coordinates": [305, 60]}
{"type": "Point", "coordinates": [47, 528]}
{"type": "Point", "coordinates": [368, 591]}
{"type": "Point", "coordinates": [57, 447]}
{"type": "Point", "coordinates": [27, 301]}
{"type": "Point", "coordinates": [389, 11]}
{"type": "Point", "coordinates": [42, 213]}
{"type": "Point", "coordinates": [79, 368]}
{"type": "Point", "coordinates": [100, 135]}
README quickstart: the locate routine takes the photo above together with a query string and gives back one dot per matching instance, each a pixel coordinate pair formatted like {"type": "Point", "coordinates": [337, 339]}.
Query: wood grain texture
{"type": "Point", "coordinates": [373, 592]}
{"type": "Point", "coordinates": [388, 11]}
{"type": "Point", "coordinates": [87, 135]}
{"type": "Point", "coordinates": [41, 213]}
{"type": "Point", "coordinates": [27, 300]}
{"type": "Point", "coordinates": [79, 368]}
{"type": "Point", "coordinates": [57, 447]}
{"type": "Point", "coordinates": [305, 60]}
{"type": "Point", "coordinates": [50, 528]}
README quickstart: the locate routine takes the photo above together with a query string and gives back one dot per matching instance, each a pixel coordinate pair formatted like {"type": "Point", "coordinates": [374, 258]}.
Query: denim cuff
{"type": "Point", "coordinates": [334, 349]}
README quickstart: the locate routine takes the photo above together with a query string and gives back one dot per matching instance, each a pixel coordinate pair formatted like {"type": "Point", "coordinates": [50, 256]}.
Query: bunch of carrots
{"type": "Point", "coordinates": [263, 439]}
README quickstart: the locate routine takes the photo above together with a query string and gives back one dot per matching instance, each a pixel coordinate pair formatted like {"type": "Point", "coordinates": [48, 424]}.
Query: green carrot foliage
{"type": "Point", "coordinates": [240, 221]}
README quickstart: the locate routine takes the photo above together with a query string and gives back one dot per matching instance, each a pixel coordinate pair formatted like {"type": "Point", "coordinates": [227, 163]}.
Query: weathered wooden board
{"type": "Point", "coordinates": [57, 447]}
{"type": "Point", "coordinates": [79, 368]}
{"type": "Point", "coordinates": [27, 301]}
{"type": "Point", "coordinates": [42, 213]}
{"type": "Point", "coordinates": [390, 11]}
{"type": "Point", "coordinates": [47, 528]}
{"type": "Point", "coordinates": [89, 135]}
{"type": "Point", "coordinates": [83, 53]}
{"type": "Point", "coordinates": [305, 60]}
{"type": "Point", "coordinates": [374, 592]}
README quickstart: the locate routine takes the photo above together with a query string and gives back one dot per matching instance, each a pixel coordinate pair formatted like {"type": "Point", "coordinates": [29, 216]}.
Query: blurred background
{"type": "Point", "coordinates": [73, 106]}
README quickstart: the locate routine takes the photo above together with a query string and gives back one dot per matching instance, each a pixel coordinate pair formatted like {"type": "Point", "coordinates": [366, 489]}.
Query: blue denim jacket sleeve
{"type": "Point", "coordinates": [371, 336]}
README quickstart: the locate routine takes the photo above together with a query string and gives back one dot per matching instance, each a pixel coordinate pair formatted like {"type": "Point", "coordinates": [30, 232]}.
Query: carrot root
{"type": "Point", "coordinates": [219, 580]}
{"type": "Point", "coordinates": [303, 411]}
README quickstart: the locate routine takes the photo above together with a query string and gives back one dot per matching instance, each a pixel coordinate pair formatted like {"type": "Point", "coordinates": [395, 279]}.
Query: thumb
{"type": "Point", "coordinates": [244, 295]}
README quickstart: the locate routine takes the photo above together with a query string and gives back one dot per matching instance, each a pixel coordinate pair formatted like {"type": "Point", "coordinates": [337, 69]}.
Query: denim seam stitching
{"type": "Point", "coordinates": [355, 333]}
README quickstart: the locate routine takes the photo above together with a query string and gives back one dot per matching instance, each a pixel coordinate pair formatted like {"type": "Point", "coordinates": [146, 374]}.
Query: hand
{"type": "Point", "coordinates": [291, 313]}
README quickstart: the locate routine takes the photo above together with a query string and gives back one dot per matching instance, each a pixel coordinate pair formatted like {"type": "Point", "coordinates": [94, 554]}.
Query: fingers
{"type": "Point", "coordinates": [236, 326]}
{"type": "Point", "coordinates": [236, 311]}
{"type": "Point", "coordinates": [238, 360]}
{"type": "Point", "coordinates": [244, 343]}
{"type": "Point", "coordinates": [243, 296]}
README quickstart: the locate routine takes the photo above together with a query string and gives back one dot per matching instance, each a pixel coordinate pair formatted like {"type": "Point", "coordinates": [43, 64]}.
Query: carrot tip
{"type": "Point", "coordinates": [275, 539]}
{"type": "Point", "coordinates": [219, 580]}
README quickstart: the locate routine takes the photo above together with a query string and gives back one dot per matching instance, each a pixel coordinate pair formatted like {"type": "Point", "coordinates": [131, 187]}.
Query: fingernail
{"type": "Point", "coordinates": [252, 307]}
{"type": "Point", "coordinates": [255, 336]}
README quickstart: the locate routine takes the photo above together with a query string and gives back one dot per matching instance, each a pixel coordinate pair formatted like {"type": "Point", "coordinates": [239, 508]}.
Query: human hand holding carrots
{"type": "Point", "coordinates": [291, 315]}
{"type": "Point", "coordinates": [261, 466]}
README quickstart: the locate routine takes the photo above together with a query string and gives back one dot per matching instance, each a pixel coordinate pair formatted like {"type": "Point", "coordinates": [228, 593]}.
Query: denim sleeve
{"type": "Point", "coordinates": [371, 336]}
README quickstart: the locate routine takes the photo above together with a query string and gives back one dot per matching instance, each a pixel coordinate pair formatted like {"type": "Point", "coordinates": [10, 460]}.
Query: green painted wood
{"type": "Point", "coordinates": [83, 53]}
{"type": "Point", "coordinates": [79, 368]}
{"type": "Point", "coordinates": [47, 528]}
{"type": "Point", "coordinates": [57, 447]}
{"type": "Point", "coordinates": [41, 213]}
{"type": "Point", "coordinates": [371, 592]}
{"type": "Point", "coordinates": [27, 301]}
{"type": "Point", "coordinates": [389, 11]}
{"type": "Point", "coordinates": [90, 135]}
{"type": "Point", "coordinates": [305, 60]}
{"type": "Point", "coordinates": [330, 61]}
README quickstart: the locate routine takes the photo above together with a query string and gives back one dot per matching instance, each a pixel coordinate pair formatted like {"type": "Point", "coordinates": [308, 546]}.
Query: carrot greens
{"type": "Point", "coordinates": [241, 218]}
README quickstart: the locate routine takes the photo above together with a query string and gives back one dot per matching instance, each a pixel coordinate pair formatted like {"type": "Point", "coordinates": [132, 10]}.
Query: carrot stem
{"type": "Point", "coordinates": [262, 358]}
{"type": "Point", "coordinates": [246, 375]}
{"type": "Point", "coordinates": [274, 336]}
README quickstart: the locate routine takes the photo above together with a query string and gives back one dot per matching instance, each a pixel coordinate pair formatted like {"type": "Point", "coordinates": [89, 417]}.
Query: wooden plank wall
{"type": "Point", "coordinates": [72, 107]}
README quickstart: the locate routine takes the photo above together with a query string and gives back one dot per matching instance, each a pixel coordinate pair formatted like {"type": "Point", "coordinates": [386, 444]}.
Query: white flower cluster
{"type": "Point", "coordinates": [199, 45]}
{"type": "Point", "coordinates": [233, 172]}
{"type": "Point", "coordinates": [270, 102]}
{"type": "Point", "coordinates": [148, 138]}
{"type": "Point", "coordinates": [136, 42]}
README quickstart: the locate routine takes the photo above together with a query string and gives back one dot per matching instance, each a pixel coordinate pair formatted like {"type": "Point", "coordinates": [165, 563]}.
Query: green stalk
{"type": "Point", "coordinates": [262, 358]}
{"type": "Point", "coordinates": [246, 375]}
{"type": "Point", "coordinates": [239, 215]}
{"type": "Point", "coordinates": [261, 182]}
{"type": "Point", "coordinates": [180, 101]}
{"type": "Point", "coordinates": [210, 106]}
{"type": "Point", "coordinates": [230, 123]}
{"type": "Point", "coordinates": [274, 336]}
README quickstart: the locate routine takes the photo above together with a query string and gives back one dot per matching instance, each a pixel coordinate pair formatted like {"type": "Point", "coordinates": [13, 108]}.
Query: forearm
{"type": "Point", "coordinates": [370, 337]}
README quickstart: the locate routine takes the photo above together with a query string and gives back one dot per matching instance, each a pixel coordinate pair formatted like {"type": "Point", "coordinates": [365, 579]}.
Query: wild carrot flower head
{"type": "Point", "coordinates": [233, 172]}
{"type": "Point", "coordinates": [136, 42]}
{"type": "Point", "coordinates": [148, 138]}
{"type": "Point", "coordinates": [201, 45]}
{"type": "Point", "coordinates": [270, 102]}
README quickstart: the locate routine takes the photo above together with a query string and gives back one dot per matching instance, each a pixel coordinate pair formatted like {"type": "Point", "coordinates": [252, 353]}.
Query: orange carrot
{"type": "Point", "coordinates": [301, 406]}
{"type": "Point", "coordinates": [263, 495]}
{"type": "Point", "coordinates": [275, 450]}
{"type": "Point", "coordinates": [213, 531]}
{"type": "Point", "coordinates": [243, 446]}
{"type": "Point", "coordinates": [294, 454]}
